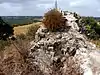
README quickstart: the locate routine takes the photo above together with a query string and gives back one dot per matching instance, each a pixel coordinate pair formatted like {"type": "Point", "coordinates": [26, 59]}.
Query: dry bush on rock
{"type": "Point", "coordinates": [54, 20]}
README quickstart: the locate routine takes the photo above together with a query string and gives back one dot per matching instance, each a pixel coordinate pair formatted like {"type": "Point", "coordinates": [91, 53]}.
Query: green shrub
{"type": "Point", "coordinates": [31, 31]}
{"type": "Point", "coordinates": [91, 27]}
{"type": "Point", "coordinates": [97, 28]}
{"type": "Point", "coordinates": [53, 20]}
{"type": "Point", "coordinates": [5, 30]}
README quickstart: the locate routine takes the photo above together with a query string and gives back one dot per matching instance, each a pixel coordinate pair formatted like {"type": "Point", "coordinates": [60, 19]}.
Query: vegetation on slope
{"type": "Point", "coordinates": [24, 29]}
{"type": "Point", "coordinates": [21, 20]}
{"type": "Point", "coordinates": [90, 27]}
{"type": "Point", "coordinates": [5, 30]}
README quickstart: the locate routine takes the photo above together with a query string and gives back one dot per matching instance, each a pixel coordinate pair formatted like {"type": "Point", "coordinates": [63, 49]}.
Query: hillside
{"type": "Point", "coordinates": [20, 20]}
{"type": "Point", "coordinates": [23, 29]}
{"type": "Point", "coordinates": [57, 46]}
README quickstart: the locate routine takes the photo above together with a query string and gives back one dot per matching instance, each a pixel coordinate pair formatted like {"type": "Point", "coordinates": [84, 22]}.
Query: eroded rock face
{"type": "Point", "coordinates": [50, 47]}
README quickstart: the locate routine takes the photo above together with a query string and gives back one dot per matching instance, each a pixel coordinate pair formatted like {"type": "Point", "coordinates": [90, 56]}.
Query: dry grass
{"type": "Point", "coordinates": [23, 29]}
{"type": "Point", "coordinates": [13, 58]}
{"type": "Point", "coordinates": [11, 61]}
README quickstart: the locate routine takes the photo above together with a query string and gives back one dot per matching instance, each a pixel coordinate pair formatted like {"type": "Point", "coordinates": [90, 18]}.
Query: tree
{"type": "Point", "coordinates": [91, 27]}
{"type": "Point", "coordinates": [5, 30]}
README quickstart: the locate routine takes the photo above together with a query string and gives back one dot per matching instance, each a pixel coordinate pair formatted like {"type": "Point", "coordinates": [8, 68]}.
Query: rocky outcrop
{"type": "Point", "coordinates": [55, 47]}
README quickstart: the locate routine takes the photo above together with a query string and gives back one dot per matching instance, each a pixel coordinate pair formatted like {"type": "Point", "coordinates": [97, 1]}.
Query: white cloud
{"type": "Point", "coordinates": [38, 7]}
{"type": "Point", "coordinates": [9, 9]}
{"type": "Point", "coordinates": [45, 6]}
{"type": "Point", "coordinates": [98, 10]}
{"type": "Point", "coordinates": [75, 3]}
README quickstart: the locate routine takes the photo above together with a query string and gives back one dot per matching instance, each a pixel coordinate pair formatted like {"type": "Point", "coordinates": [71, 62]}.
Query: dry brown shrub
{"type": "Point", "coordinates": [11, 62]}
{"type": "Point", "coordinates": [53, 20]}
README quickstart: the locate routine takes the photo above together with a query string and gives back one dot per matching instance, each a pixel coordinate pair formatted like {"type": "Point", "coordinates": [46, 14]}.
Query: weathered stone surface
{"type": "Point", "coordinates": [52, 47]}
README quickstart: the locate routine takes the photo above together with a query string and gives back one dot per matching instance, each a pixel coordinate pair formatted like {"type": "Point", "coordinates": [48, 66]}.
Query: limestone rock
{"type": "Point", "coordinates": [50, 47]}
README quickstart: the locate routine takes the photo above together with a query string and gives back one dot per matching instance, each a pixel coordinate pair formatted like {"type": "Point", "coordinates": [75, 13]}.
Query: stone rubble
{"type": "Point", "coordinates": [49, 47]}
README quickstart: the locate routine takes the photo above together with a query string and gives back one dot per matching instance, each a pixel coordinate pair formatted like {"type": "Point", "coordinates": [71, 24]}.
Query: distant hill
{"type": "Point", "coordinates": [96, 18]}
{"type": "Point", "coordinates": [24, 20]}
{"type": "Point", "coordinates": [20, 20]}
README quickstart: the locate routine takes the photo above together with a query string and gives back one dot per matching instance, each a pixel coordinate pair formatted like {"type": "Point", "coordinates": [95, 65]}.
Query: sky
{"type": "Point", "coordinates": [39, 7]}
